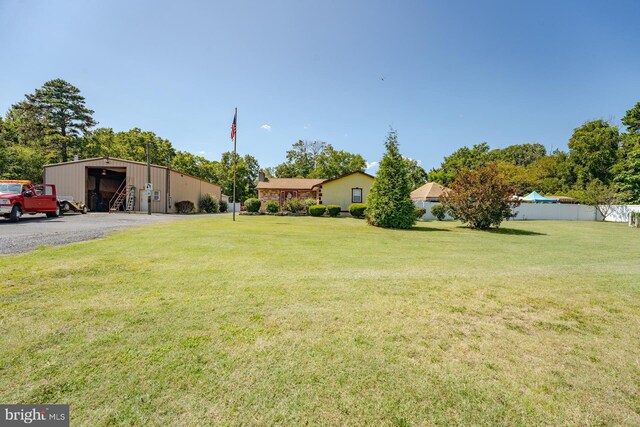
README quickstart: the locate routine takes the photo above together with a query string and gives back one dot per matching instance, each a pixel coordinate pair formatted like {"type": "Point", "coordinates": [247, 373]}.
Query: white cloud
{"type": "Point", "coordinates": [266, 127]}
{"type": "Point", "coordinates": [202, 153]}
{"type": "Point", "coordinates": [372, 168]}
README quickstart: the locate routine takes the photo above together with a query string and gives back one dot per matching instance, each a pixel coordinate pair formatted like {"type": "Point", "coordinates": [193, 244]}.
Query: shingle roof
{"type": "Point", "coordinates": [289, 183]}
{"type": "Point", "coordinates": [431, 190]}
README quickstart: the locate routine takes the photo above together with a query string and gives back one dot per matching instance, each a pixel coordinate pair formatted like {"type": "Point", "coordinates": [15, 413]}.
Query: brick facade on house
{"type": "Point", "coordinates": [266, 195]}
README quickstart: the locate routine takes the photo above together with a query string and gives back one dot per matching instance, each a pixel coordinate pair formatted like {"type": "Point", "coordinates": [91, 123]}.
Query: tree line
{"type": "Point", "coordinates": [53, 124]}
{"type": "Point", "coordinates": [600, 157]}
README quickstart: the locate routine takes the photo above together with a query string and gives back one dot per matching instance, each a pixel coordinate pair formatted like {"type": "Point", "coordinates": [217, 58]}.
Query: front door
{"type": "Point", "coordinates": [144, 201]}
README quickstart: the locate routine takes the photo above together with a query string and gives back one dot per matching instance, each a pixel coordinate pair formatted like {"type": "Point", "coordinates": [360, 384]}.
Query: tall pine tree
{"type": "Point", "coordinates": [389, 204]}
{"type": "Point", "coordinates": [60, 109]}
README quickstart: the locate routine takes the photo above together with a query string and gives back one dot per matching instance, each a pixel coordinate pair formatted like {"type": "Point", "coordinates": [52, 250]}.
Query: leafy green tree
{"type": "Point", "coordinates": [301, 159]}
{"type": "Point", "coordinates": [519, 154]}
{"type": "Point", "coordinates": [389, 204]}
{"type": "Point", "coordinates": [331, 163]}
{"type": "Point", "coordinates": [599, 195]}
{"type": "Point", "coordinates": [593, 151]}
{"type": "Point", "coordinates": [461, 159]}
{"type": "Point", "coordinates": [58, 111]}
{"type": "Point", "coordinates": [129, 145]}
{"type": "Point", "coordinates": [481, 197]}
{"type": "Point", "coordinates": [316, 159]}
{"type": "Point", "coordinates": [628, 180]}
{"type": "Point", "coordinates": [632, 119]}
{"type": "Point", "coordinates": [417, 174]}
{"type": "Point", "coordinates": [246, 176]}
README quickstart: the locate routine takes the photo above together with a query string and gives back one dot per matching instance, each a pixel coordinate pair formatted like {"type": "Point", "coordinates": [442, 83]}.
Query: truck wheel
{"type": "Point", "coordinates": [15, 214]}
{"type": "Point", "coordinates": [54, 214]}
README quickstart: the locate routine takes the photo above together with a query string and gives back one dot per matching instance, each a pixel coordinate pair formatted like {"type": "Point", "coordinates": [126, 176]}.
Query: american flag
{"type": "Point", "coordinates": [233, 126]}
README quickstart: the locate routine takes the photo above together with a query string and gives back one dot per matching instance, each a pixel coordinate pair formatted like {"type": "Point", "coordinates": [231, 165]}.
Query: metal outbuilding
{"type": "Point", "coordinates": [100, 183]}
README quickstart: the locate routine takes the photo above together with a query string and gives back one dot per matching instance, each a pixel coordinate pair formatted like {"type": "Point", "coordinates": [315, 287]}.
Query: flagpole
{"type": "Point", "coordinates": [235, 162]}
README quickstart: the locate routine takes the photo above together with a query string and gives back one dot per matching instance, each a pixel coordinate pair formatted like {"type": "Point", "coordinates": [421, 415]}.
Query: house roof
{"type": "Point", "coordinates": [300, 183]}
{"type": "Point", "coordinates": [289, 183]}
{"type": "Point", "coordinates": [431, 190]}
{"type": "Point", "coordinates": [345, 175]}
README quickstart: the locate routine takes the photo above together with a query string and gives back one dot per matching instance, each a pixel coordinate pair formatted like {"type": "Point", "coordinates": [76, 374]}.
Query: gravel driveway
{"type": "Point", "coordinates": [38, 230]}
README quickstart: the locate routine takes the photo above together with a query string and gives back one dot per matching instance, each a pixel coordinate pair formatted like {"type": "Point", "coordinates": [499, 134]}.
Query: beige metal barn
{"type": "Point", "coordinates": [107, 184]}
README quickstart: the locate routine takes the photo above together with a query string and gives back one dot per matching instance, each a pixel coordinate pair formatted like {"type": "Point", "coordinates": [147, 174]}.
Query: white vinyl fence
{"type": "Point", "coordinates": [555, 211]}
{"type": "Point", "coordinates": [620, 213]}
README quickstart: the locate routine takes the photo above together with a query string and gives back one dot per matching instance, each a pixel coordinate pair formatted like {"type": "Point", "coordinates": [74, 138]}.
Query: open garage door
{"type": "Point", "coordinates": [102, 185]}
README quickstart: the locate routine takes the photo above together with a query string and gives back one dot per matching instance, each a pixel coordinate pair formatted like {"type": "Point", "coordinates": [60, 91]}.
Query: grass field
{"type": "Point", "coordinates": [288, 321]}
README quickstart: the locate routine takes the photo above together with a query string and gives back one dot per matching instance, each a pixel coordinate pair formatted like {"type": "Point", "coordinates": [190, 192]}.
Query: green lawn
{"type": "Point", "coordinates": [278, 320]}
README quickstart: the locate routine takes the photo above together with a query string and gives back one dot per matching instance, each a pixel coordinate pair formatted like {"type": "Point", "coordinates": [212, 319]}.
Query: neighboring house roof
{"type": "Point", "coordinates": [345, 175]}
{"type": "Point", "coordinates": [431, 190]}
{"type": "Point", "coordinates": [289, 183]}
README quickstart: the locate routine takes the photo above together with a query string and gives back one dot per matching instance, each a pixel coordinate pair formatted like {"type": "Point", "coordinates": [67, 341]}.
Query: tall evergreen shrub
{"type": "Point", "coordinates": [389, 204]}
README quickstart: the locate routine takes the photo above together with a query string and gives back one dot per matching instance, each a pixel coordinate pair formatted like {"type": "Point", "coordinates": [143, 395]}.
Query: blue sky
{"type": "Point", "coordinates": [455, 72]}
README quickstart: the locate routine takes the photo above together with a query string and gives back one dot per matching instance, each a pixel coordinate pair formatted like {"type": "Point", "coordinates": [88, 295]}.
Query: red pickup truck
{"type": "Point", "coordinates": [21, 197]}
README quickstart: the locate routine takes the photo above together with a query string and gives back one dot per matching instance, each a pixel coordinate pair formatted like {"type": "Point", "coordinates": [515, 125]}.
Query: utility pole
{"type": "Point", "coordinates": [235, 161]}
{"type": "Point", "coordinates": [149, 188]}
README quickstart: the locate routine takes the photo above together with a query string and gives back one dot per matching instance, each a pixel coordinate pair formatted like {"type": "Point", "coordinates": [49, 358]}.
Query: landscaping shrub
{"type": "Point", "coordinates": [308, 203]}
{"type": "Point", "coordinates": [185, 207]}
{"type": "Point", "coordinates": [294, 205]}
{"type": "Point", "coordinates": [208, 204]}
{"type": "Point", "coordinates": [253, 205]}
{"type": "Point", "coordinates": [223, 206]}
{"type": "Point", "coordinates": [389, 203]}
{"type": "Point", "coordinates": [317, 210]}
{"type": "Point", "coordinates": [357, 210]}
{"type": "Point", "coordinates": [438, 211]}
{"type": "Point", "coordinates": [272, 207]}
{"type": "Point", "coordinates": [482, 198]}
{"type": "Point", "coordinates": [334, 210]}
{"type": "Point", "coordinates": [420, 212]}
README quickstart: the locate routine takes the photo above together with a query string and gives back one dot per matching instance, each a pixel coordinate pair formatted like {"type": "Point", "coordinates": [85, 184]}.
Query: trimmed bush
{"type": "Point", "coordinates": [185, 207]}
{"type": "Point", "coordinates": [357, 210]}
{"type": "Point", "coordinates": [223, 206]}
{"type": "Point", "coordinates": [253, 205]}
{"type": "Point", "coordinates": [317, 210]}
{"type": "Point", "coordinates": [308, 203]}
{"type": "Point", "coordinates": [294, 205]}
{"type": "Point", "coordinates": [334, 210]}
{"type": "Point", "coordinates": [208, 204]}
{"type": "Point", "coordinates": [438, 211]}
{"type": "Point", "coordinates": [271, 207]}
{"type": "Point", "coordinates": [420, 212]}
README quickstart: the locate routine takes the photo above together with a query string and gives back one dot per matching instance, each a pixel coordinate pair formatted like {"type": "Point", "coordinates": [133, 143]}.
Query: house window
{"type": "Point", "coordinates": [356, 195]}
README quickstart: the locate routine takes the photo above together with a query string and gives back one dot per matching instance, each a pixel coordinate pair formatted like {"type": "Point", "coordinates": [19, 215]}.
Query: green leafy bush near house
{"type": "Point", "coordinates": [317, 210]}
{"type": "Point", "coordinates": [357, 210]}
{"type": "Point", "coordinates": [252, 204]}
{"type": "Point", "coordinates": [208, 204]}
{"type": "Point", "coordinates": [334, 210]}
{"type": "Point", "coordinates": [438, 211]}
{"type": "Point", "coordinates": [223, 206]}
{"type": "Point", "coordinates": [185, 207]}
{"type": "Point", "coordinates": [272, 207]}
{"type": "Point", "coordinates": [309, 202]}
{"type": "Point", "coordinates": [294, 205]}
{"type": "Point", "coordinates": [420, 212]}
